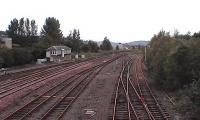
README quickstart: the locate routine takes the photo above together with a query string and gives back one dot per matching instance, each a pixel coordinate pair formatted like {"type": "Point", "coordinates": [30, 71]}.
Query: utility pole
{"type": "Point", "coordinates": [145, 53]}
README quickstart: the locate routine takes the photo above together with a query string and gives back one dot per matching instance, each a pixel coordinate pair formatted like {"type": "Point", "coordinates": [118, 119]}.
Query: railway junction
{"type": "Point", "coordinates": [113, 87]}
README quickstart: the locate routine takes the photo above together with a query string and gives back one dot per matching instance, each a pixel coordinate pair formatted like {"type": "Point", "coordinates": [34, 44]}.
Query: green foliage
{"type": "Point", "coordinates": [22, 28]}
{"type": "Point", "coordinates": [188, 101]}
{"type": "Point", "coordinates": [13, 28]}
{"type": "Point", "coordinates": [93, 46]}
{"type": "Point", "coordinates": [73, 41]}
{"type": "Point", "coordinates": [15, 56]}
{"type": "Point", "coordinates": [23, 32]}
{"type": "Point", "coordinates": [172, 61]}
{"type": "Point", "coordinates": [34, 28]}
{"type": "Point", "coordinates": [23, 41]}
{"type": "Point", "coordinates": [27, 26]}
{"type": "Point", "coordinates": [7, 57]}
{"type": "Point", "coordinates": [38, 51]}
{"type": "Point", "coordinates": [51, 33]}
{"type": "Point", "coordinates": [85, 48]}
{"type": "Point", "coordinates": [21, 56]}
{"type": "Point", "coordinates": [106, 45]}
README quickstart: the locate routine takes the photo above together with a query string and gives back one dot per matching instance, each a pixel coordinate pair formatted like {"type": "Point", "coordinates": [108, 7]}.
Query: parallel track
{"type": "Point", "coordinates": [133, 98]}
{"type": "Point", "coordinates": [67, 96]}
{"type": "Point", "coordinates": [153, 107]}
{"type": "Point", "coordinates": [12, 86]}
{"type": "Point", "coordinates": [25, 82]}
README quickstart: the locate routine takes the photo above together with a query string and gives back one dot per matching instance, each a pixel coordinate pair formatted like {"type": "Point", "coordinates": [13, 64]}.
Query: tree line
{"type": "Point", "coordinates": [173, 62]}
{"type": "Point", "coordinates": [28, 42]}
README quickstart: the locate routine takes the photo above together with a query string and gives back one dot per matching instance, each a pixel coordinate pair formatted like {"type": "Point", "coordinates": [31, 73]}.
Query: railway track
{"type": "Point", "coordinates": [16, 75]}
{"type": "Point", "coordinates": [23, 73]}
{"type": "Point", "coordinates": [133, 98]}
{"type": "Point", "coordinates": [154, 108]}
{"type": "Point", "coordinates": [122, 108]}
{"type": "Point", "coordinates": [19, 84]}
{"type": "Point", "coordinates": [62, 96]}
{"type": "Point", "coordinates": [14, 85]}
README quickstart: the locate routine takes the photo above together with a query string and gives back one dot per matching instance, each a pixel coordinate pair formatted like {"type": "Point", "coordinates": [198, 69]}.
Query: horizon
{"type": "Point", "coordinates": [121, 21]}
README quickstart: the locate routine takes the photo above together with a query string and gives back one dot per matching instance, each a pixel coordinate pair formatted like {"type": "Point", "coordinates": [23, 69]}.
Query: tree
{"type": "Point", "coordinates": [93, 46]}
{"type": "Point", "coordinates": [106, 45]}
{"type": "Point", "coordinates": [173, 60]}
{"type": "Point", "coordinates": [21, 27]}
{"type": "Point", "coordinates": [196, 34]}
{"type": "Point", "coordinates": [27, 26]}
{"type": "Point", "coordinates": [73, 41]}
{"type": "Point", "coordinates": [34, 28]}
{"type": "Point", "coordinates": [21, 56]}
{"type": "Point", "coordinates": [85, 48]}
{"type": "Point", "coordinates": [51, 33]}
{"type": "Point", "coordinates": [6, 55]}
{"type": "Point", "coordinates": [13, 28]}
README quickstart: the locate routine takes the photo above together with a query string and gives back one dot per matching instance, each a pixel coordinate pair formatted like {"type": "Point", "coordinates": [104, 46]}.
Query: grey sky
{"type": "Point", "coordinates": [120, 20]}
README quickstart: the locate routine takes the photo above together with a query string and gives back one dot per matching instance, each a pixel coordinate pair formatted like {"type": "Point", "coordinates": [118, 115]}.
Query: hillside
{"type": "Point", "coordinates": [141, 42]}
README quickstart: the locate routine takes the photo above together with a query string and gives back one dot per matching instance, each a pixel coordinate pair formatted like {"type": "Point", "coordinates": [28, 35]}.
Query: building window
{"type": "Point", "coordinates": [53, 52]}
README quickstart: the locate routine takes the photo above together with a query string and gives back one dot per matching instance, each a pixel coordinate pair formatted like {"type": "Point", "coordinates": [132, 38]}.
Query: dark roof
{"type": "Point", "coordinates": [59, 48]}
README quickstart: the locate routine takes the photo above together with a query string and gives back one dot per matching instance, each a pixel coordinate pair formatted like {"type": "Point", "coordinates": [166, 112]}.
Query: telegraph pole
{"type": "Point", "coordinates": [145, 53]}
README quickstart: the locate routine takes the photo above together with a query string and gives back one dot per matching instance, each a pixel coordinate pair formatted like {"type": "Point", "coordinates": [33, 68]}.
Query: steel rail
{"type": "Point", "coordinates": [146, 84]}
{"type": "Point", "coordinates": [47, 92]}
{"type": "Point", "coordinates": [139, 96]}
{"type": "Point", "coordinates": [24, 81]}
{"type": "Point", "coordinates": [46, 69]}
{"type": "Point", "coordinates": [36, 98]}
{"type": "Point", "coordinates": [27, 85]}
{"type": "Point", "coordinates": [72, 97]}
{"type": "Point", "coordinates": [123, 81]}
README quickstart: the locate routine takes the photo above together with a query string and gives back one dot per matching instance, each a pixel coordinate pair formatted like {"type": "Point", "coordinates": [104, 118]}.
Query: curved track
{"type": "Point", "coordinates": [133, 98]}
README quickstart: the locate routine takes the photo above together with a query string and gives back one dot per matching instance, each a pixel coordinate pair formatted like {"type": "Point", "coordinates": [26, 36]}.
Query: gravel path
{"type": "Point", "coordinates": [94, 102]}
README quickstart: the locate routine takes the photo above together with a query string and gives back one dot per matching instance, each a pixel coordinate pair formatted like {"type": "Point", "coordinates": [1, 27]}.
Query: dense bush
{"type": "Point", "coordinates": [21, 56]}
{"type": "Point", "coordinates": [25, 41]}
{"type": "Point", "coordinates": [16, 56]}
{"type": "Point", "coordinates": [173, 62]}
{"type": "Point", "coordinates": [7, 57]}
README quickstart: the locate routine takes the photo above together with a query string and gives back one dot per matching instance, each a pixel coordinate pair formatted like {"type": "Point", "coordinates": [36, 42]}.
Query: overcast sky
{"type": "Point", "coordinates": [120, 20]}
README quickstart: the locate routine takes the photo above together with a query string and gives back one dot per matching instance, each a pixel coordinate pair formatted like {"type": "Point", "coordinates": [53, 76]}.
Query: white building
{"type": "Point", "coordinates": [58, 53]}
{"type": "Point", "coordinates": [5, 42]}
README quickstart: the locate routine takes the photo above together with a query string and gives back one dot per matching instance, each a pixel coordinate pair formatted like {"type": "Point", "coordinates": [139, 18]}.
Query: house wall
{"type": "Point", "coordinates": [56, 55]}
{"type": "Point", "coordinates": [55, 58]}
{"type": "Point", "coordinates": [59, 52]}
{"type": "Point", "coordinates": [48, 54]}
{"type": "Point", "coordinates": [7, 42]}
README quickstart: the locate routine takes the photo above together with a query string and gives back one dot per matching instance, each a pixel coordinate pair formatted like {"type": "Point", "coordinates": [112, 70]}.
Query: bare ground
{"type": "Point", "coordinates": [94, 102]}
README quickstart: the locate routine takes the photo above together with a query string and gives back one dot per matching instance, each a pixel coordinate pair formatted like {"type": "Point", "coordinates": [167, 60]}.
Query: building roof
{"type": "Point", "coordinates": [59, 48]}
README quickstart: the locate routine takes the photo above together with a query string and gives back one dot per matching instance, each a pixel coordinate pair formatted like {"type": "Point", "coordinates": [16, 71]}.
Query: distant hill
{"type": "Point", "coordinates": [112, 43]}
{"type": "Point", "coordinates": [142, 43]}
